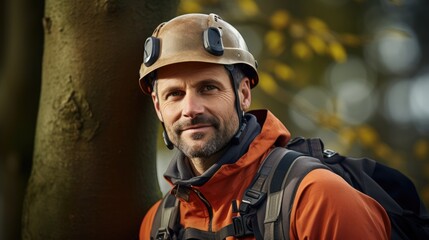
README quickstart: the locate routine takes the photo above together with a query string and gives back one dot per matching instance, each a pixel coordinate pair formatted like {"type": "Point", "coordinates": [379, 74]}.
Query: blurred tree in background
{"type": "Point", "coordinates": [353, 72]}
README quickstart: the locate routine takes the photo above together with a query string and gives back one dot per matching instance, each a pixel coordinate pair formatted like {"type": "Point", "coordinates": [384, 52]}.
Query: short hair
{"type": "Point", "coordinates": [236, 72]}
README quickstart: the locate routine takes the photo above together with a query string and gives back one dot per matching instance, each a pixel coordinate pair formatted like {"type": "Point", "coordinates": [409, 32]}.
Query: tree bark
{"type": "Point", "coordinates": [20, 77]}
{"type": "Point", "coordinates": [94, 169]}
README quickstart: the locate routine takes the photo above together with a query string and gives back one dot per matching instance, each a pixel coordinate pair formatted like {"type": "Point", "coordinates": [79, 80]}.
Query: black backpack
{"type": "Point", "coordinates": [274, 187]}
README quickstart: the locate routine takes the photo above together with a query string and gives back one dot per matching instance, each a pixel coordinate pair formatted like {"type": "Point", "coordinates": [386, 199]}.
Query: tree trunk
{"type": "Point", "coordinates": [94, 171]}
{"type": "Point", "coordinates": [21, 51]}
{"type": "Point", "coordinates": [2, 31]}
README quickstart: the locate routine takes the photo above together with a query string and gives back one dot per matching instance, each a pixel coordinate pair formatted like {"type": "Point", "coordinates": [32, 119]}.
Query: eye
{"type": "Point", "coordinates": [173, 95]}
{"type": "Point", "coordinates": [207, 88]}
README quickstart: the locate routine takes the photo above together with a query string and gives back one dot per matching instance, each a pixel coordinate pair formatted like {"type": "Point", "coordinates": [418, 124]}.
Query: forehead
{"type": "Point", "coordinates": [192, 71]}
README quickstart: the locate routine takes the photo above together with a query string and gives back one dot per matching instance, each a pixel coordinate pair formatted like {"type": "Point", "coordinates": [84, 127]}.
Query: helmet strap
{"type": "Point", "coordinates": [167, 141]}
{"type": "Point", "coordinates": [240, 113]}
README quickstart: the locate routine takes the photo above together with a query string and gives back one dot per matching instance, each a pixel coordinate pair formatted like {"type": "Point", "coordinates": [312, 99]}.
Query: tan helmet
{"type": "Point", "coordinates": [195, 38]}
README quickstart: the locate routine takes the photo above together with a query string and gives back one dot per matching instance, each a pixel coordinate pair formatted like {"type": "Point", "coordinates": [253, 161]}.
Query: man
{"type": "Point", "coordinates": [199, 73]}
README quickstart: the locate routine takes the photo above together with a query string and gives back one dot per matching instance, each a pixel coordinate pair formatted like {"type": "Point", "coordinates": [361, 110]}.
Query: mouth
{"type": "Point", "coordinates": [196, 127]}
{"type": "Point", "coordinates": [201, 125]}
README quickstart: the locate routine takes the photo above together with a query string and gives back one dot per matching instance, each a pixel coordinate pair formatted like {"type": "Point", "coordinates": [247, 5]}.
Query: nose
{"type": "Point", "coordinates": [192, 105]}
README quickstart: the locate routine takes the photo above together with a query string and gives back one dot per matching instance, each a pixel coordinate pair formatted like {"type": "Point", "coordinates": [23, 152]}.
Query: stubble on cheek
{"type": "Point", "coordinates": [197, 144]}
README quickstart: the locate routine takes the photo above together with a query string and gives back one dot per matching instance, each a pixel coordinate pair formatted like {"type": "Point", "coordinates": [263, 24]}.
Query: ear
{"type": "Point", "coordinates": [244, 93]}
{"type": "Point", "coordinates": [156, 105]}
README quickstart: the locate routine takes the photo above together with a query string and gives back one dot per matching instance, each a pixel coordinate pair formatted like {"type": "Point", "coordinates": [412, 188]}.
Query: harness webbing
{"type": "Point", "coordinates": [193, 233]}
{"type": "Point", "coordinates": [169, 216]}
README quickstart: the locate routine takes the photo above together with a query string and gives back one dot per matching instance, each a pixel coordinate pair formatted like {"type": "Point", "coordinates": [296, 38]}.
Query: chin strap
{"type": "Point", "coordinates": [240, 132]}
{"type": "Point", "coordinates": [242, 125]}
{"type": "Point", "coordinates": [167, 141]}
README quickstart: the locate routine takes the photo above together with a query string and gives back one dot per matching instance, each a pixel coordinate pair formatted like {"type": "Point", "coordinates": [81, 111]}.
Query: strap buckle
{"type": "Point", "coordinates": [242, 225]}
{"type": "Point", "coordinates": [238, 226]}
{"type": "Point", "coordinates": [162, 234]}
{"type": "Point", "coordinates": [329, 153]}
{"type": "Point", "coordinates": [251, 198]}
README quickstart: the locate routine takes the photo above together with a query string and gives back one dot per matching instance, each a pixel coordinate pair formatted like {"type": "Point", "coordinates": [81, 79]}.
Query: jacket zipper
{"type": "Point", "coordinates": [208, 206]}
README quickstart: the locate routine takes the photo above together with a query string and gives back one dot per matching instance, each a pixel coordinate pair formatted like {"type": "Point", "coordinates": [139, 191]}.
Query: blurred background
{"type": "Point", "coordinates": [353, 72]}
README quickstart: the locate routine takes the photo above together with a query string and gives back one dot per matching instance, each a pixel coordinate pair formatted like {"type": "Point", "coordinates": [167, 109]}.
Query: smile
{"type": "Point", "coordinates": [196, 127]}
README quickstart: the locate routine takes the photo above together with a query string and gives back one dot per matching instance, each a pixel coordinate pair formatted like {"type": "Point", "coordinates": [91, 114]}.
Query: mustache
{"type": "Point", "coordinates": [199, 119]}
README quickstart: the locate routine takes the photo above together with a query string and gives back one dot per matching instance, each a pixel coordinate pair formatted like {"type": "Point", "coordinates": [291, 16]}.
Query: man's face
{"type": "Point", "coordinates": [196, 103]}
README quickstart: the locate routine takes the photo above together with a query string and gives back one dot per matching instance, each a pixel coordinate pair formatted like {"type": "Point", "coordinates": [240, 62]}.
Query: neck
{"type": "Point", "coordinates": [200, 165]}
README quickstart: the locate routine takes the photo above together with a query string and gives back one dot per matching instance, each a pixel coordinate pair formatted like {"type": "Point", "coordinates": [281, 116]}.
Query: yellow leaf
{"type": "Point", "coordinates": [297, 30]}
{"type": "Point", "coordinates": [267, 83]}
{"type": "Point", "coordinates": [301, 50]}
{"type": "Point", "coordinates": [274, 41]}
{"type": "Point", "coordinates": [249, 7]}
{"type": "Point", "coordinates": [316, 43]}
{"type": "Point", "coordinates": [316, 25]}
{"type": "Point", "coordinates": [284, 72]}
{"type": "Point", "coordinates": [189, 6]}
{"type": "Point", "coordinates": [367, 135]}
{"type": "Point", "coordinates": [332, 120]}
{"type": "Point", "coordinates": [347, 136]}
{"type": "Point", "coordinates": [280, 19]}
{"type": "Point", "coordinates": [337, 52]}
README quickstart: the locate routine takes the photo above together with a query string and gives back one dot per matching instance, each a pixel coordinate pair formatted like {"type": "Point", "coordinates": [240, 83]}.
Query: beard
{"type": "Point", "coordinates": [203, 149]}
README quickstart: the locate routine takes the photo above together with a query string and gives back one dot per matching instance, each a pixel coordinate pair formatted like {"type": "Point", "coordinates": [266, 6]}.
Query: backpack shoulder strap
{"type": "Point", "coordinates": [255, 196]}
{"type": "Point", "coordinates": [282, 186]}
{"type": "Point", "coordinates": [165, 224]}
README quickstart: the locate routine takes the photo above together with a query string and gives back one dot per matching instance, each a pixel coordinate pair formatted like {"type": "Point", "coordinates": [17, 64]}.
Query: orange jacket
{"type": "Point", "coordinates": [325, 206]}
